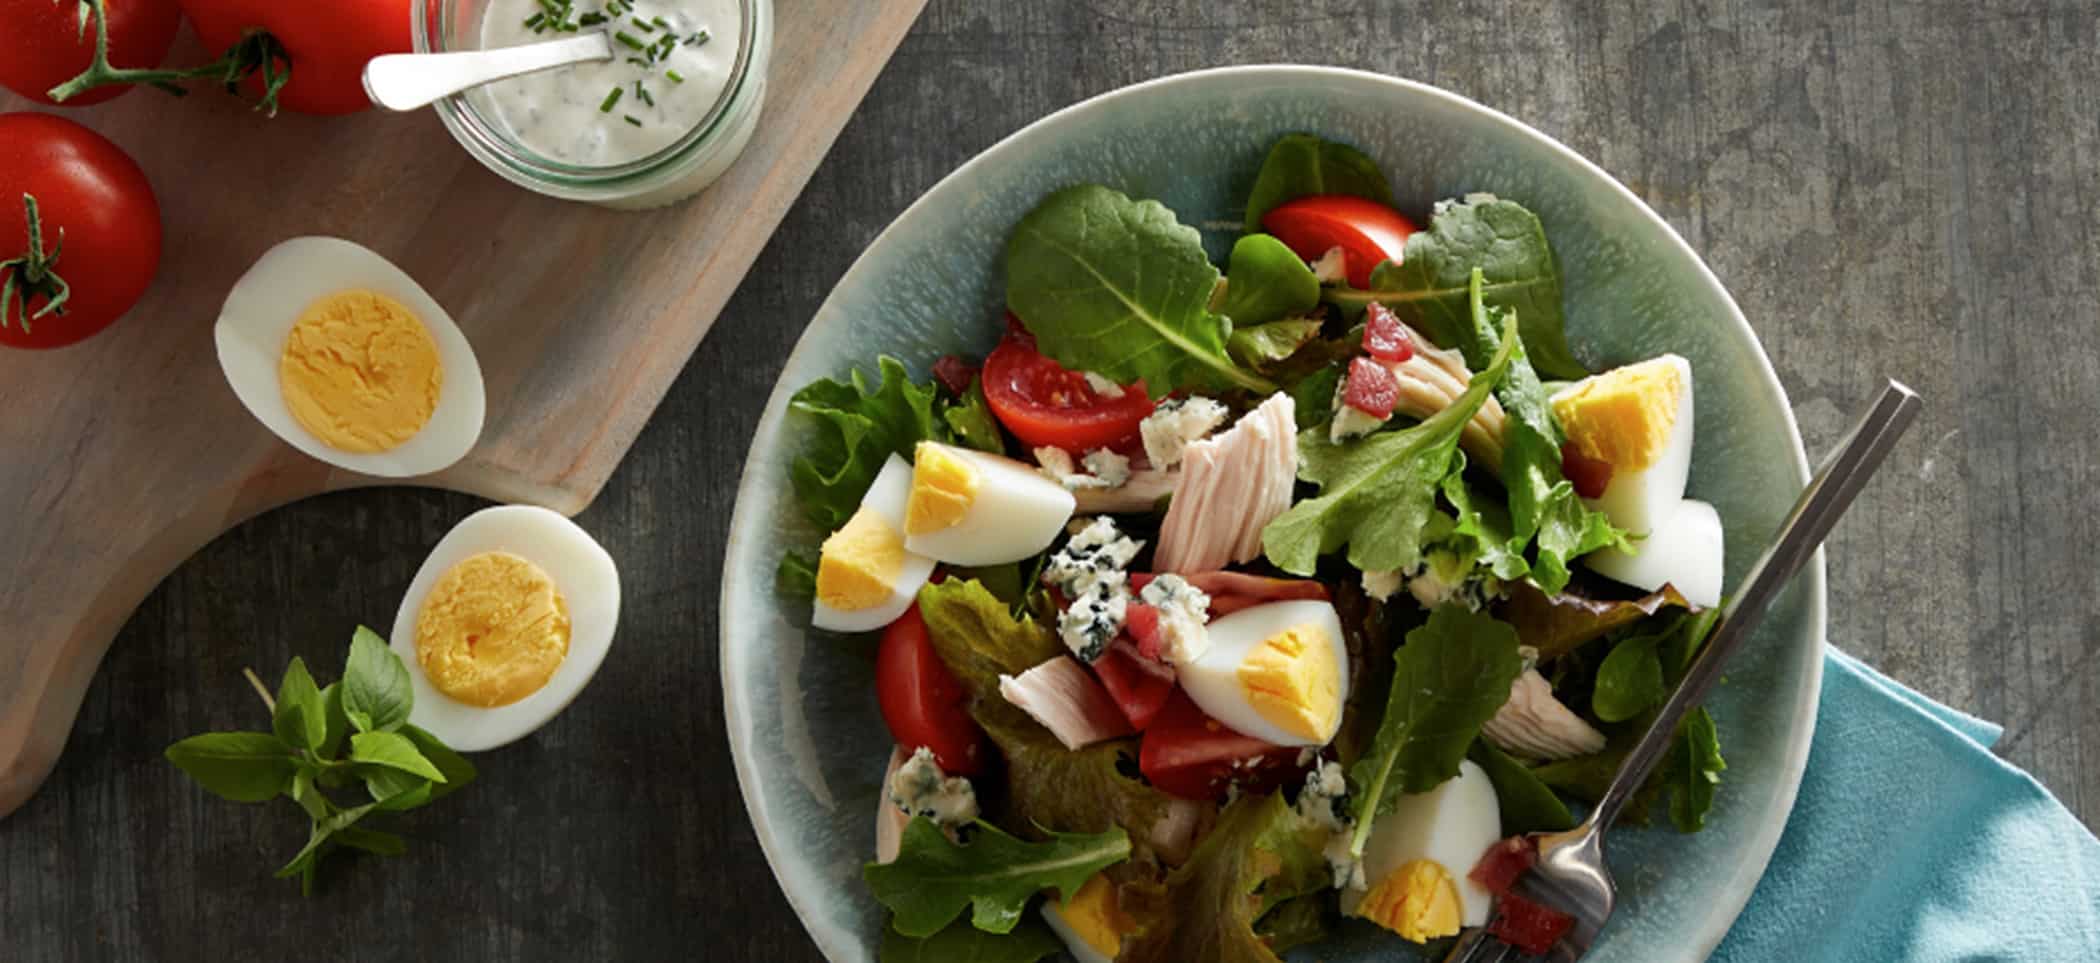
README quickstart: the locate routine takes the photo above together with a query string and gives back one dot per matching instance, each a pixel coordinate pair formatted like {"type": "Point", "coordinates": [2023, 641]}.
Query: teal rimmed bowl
{"type": "Point", "coordinates": [809, 742]}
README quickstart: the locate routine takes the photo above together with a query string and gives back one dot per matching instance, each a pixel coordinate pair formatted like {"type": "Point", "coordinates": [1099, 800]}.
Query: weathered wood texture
{"type": "Point", "coordinates": [1902, 189]}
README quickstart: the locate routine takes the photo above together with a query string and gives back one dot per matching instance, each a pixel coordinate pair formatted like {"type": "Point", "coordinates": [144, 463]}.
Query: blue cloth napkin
{"type": "Point", "coordinates": [1911, 841]}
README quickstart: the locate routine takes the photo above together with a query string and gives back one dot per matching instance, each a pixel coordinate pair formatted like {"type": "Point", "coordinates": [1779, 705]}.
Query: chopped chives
{"type": "Point", "coordinates": [605, 106]}
{"type": "Point", "coordinates": [639, 62]}
{"type": "Point", "coordinates": [699, 38]}
{"type": "Point", "coordinates": [631, 119]}
{"type": "Point", "coordinates": [553, 9]}
{"type": "Point", "coordinates": [674, 76]}
{"type": "Point", "coordinates": [591, 19]}
{"type": "Point", "coordinates": [659, 21]}
{"type": "Point", "coordinates": [645, 25]}
{"type": "Point", "coordinates": [536, 22]}
{"type": "Point", "coordinates": [643, 93]}
{"type": "Point", "coordinates": [628, 39]}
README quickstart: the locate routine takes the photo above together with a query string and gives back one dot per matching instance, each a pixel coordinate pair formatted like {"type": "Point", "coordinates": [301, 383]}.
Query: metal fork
{"type": "Point", "coordinates": [1571, 875]}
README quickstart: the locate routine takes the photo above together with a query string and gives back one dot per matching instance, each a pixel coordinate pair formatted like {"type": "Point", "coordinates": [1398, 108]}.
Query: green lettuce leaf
{"type": "Point", "coordinates": [1558, 624]}
{"type": "Point", "coordinates": [1448, 680]}
{"type": "Point", "coordinates": [1267, 344]}
{"type": "Point", "coordinates": [1301, 165]}
{"type": "Point", "coordinates": [1119, 287]}
{"type": "Point", "coordinates": [1259, 856]}
{"type": "Point", "coordinates": [994, 875]}
{"type": "Point", "coordinates": [1049, 787]}
{"type": "Point", "coordinates": [1297, 921]}
{"type": "Point", "coordinates": [959, 942]}
{"type": "Point", "coordinates": [978, 637]}
{"type": "Point", "coordinates": [1528, 805]}
{"type": "Point", "coordinates": [859, 428]}
{"type": "Point", "coordinates": [1503, 240]}
{"type": "Point", "coordinates": [1377, 492]}
{"type": "Point", "coordinates": [970, 422]}
{"type": "Point", "coordinates": [1266, 281]}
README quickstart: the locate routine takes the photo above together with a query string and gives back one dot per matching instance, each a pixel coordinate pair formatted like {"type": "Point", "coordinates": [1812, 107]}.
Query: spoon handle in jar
{"type": "Point", "coordinates": [413, 81]}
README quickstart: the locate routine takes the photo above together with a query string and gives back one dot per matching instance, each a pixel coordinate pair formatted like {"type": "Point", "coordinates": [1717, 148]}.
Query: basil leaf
{"type": "Point", "coordinates": [301, 718]}
{"type": "Point", "coordinates": [240, 766]}
{"type": "Point", "coordinates": [1119, 287]}
{"type": "Point", "coordinates": [371, 841]}
{"type": "Point", "coordinates": [1266, 281]}
{"type": "Point", "coordinates": [970, 420]}
{"type": "Point", "coordinates": [393, 789]}
{"type": "Point", "coordinates": [457, 771]}
{"type": "Point", "coordinates": [336, 722]}
{"type": "Point", "coordinates": [1692, 771]}
{"type": "Point", "coordinates": [960, 942]}
{"type": "Point", "coordinates": [933, 880]}
{"type": "Point", "coordinates": [1303, 165]}
{"type": "Point", "coordinates": [1501, 239]}
{"type": "Point", "coordinates": [317, 841]}
{"type": "Point", "coordinates": [858, 428]}
{"type": "Point", "coordinates": [1376, 493]}
{"type": "Point", "coordinates": [393, 751]}
{"type": "Point", "coordinates": [1448, 679]}
{"type": "Point", "coordinates": [1630, 680]}
{"type": "Point", "coordinates": [1527, 804]}
{"type": "Point", "coordinates": [307, 796]}
{"type": "Point", "coordinates": [377, 695]}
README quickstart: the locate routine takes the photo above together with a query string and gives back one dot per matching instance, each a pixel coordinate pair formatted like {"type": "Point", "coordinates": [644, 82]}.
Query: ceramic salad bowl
{"type": "Point", "coordinates": [808, 739]}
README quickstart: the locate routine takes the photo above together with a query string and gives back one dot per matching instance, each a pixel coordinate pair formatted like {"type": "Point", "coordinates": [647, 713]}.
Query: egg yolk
{"type": "Point", "coordinates": [943, 485]}
{"type": "Point", "coordinates": [857, 566]}
{"type": "Point", "coordinates": [492, 630]}
{"type": "Point", "coordinates": [1292, 680]}
{"type": "Point", "coordinates": [360, 372]}
{"type": "Point", "coordinates": [1624, 417]}
{"type": "Point", "coordinates": [1094, 916]}
{"type": "Point", "coordinates": [1419, 901]}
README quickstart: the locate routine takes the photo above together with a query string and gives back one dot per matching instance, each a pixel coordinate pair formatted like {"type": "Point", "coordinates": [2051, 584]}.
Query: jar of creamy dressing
{"type": "Point", "coordinates": [656, 124]}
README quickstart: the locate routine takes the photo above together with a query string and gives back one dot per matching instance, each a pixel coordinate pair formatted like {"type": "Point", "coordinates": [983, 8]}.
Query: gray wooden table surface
{"type": "Point", "coordinates": [1889, 188]}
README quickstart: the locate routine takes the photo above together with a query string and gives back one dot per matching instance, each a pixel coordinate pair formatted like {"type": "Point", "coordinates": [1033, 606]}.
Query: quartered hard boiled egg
{"type": "Point", "coordinates": [505, 623]}
{"type": "Point", "coordinates": [1419, 856]}
{"type": "Point", "coordinates": [1638, 420]}
{"type": "Point", "coordinates": [974, 508]}
{"type": "Point", "coordinates": [1685, 552]}
{"type": "Point", "coordinates": [1091, 923]}
{"type": "Point", "coordinates": [865, 576]}
{"type": "Point", "coordinates": [349, 360]}
{"type": "Point", "coordinates": [1277, 672]}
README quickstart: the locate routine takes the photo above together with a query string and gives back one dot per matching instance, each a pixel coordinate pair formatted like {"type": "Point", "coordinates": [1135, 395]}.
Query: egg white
{"type": "Point", "coordinates": [1453, 824]}
{"type": "Point", "coordinates": [1212, 681]}
{"type": "Point", "coordinates": [1641, 501]}
{"type": "Point", "coordinates": [266, 302]}
{"type": "Point", "coordinates": [1016, 513]}
{"type": "Point", "coordinates": [1686, 552]}
{"type": "Point", "coordinates": [886, 497]}
{"type": "Point", "coordinates": [588, 582]}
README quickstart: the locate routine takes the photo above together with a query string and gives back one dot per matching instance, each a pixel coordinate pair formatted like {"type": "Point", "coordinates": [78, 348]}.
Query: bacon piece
{"type": "Point", "coordinates": [1370, 388]}
{"type": "Point", "coordinates": [1232, 485]}
{"type": "Point", "coordinates": [1067, 699]}
{"type": "Point", "coordinates": [1385, 337]}
{"type": "Point", "coordinates": [1503, 863]}
{"type": "Point", "coordinates": [1533, 723]}
{"type": "Point", "coordinates": [1528, 926]}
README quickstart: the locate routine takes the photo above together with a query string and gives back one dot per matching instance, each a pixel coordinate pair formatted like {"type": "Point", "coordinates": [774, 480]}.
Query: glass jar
{"type": "Point", "coordinates": [673, 173]}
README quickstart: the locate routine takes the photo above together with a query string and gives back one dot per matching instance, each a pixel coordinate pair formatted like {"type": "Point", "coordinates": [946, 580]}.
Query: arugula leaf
{"type": "Point", "coordinates": [969, 420]}
{"type": "Point", "coordinates": [1266, 344]}
{"type": "Point", "coordinates": [960, 942]}
{"type": "Point", "coordinates": [1630, 680]}
{"type": "Point", "coordinates": [238, 766]}
{"type": "Point", "coordinates": [1119, 287]}
{"type": "Point", "coordinates": [1558, 624]}
{"type": "Point", "coordinates": [1428, 288]}
{"type": "Point", "coordinates": [1693, 771]}
{"type": "Point", "coordinates": [1448, 680]}
{"type": "Point", "coordinates": [1376, 493]}
{"type": "Point", "coordinates": [301, 718]}
{"type": "Point", "coordinates": [1259, 856]}
{"type": "Point", "coordinates": [377, 695]}
{"type": "Point", "coordinates": [1266, 281]}
{"type": "Point", "coordinates": [859, 428]}
{"type": "Point", "coordinates": [457, 771]}
{"type": "Point", "coordinates": [932, 879]}
{"type": "Point", "coordinates": [1527, 804]}
{"type": "Point", "coordinates": [978, 637]}
{"type": "Point", "coordinates": [1301, 165]}
{"type": "Point", "coordinates": [1480, 531]}
{"type": "Point", "coordinates": [393, 751]}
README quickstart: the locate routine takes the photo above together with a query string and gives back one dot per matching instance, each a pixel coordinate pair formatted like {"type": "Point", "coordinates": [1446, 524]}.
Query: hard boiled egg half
{"type": "Point", "coordinates": [349, 360]}
{"type": "Point", "coordinates": [1091, 924]}
{"type": "Point", "coordinates": [1277, 672]}
{"type": "Point", "coordinates": [1638, 420]}
{"type": "Point", "coordinates": [865, 575]}
{"type": "Point", "coordinates": [1419, 857]}
{"type": "Point", "coordinates": [1683, 552]}
{"type": "Point", "coordinates": [505, 623]}
{"type": "Point", "coordinates": [975, 508]}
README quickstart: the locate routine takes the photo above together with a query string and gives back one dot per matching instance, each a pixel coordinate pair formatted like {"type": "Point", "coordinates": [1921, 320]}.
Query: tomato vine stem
{"type": "Point", "coordinates": [257, 52]}
{"type": "Point", "coordinates": [33, 274]}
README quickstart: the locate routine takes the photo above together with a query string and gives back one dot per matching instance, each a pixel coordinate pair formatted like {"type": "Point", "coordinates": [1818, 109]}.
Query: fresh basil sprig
{"type": "Point", "coordinates": [402, 767]}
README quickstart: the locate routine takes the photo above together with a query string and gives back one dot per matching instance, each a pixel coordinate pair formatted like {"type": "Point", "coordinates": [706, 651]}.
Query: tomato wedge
{"type": "Point", "coordinates": [1367, 232]}
{"type": "Point", "coordinates": [922, 702]}
{"type": "Point", "coordinates": [1191, 755]}
{"type": "Point", "coordinates": [1140, 690]}
{"type": "Point", "coordinates": [1047, 406]}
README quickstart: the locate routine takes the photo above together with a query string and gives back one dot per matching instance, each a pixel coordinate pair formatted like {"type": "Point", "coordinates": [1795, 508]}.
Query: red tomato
{"type": "Point", "coordinates": [955, 373]}
{"type": "Point", "coordinates": [45, 48]}
{"type": "Point", "coordinates": [1045, 405]}
{"type": "Point", "coordinates": [1385, 338]}
{"type": "Point", "coordinates": [1370, 388]}
{"type": "Point", "coordinates": [326, 44]}
{"type": "Point", "coordinates": [1367, 232]}
{"type": "Point", "coordinates": [922, 702]}
{"type": "Point", "coordinates": [1139, 689]}
{"type": "Point", "coordinates": [1191, 755]}
{"type": "Point", "coordinates": [99, 227]}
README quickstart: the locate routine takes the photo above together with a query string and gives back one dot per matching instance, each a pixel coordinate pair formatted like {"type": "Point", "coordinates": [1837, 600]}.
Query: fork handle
{"type": "Point", "coordinates": [1827, 496]}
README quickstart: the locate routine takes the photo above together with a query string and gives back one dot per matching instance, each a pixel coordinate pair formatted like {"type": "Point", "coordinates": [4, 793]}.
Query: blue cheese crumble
{"type": "Point", "coordinates": [1170, 427]}
{"type": "Point", "coordinates": [1101, 468]}
{"type": "Point", "coordinates": [921, 789]}
{"type": "Point", "coordinates": [1091, 571]}
{"type": "Point", "coordinates": [1184, 611]}
{"type": "Point", "coordinates": [1324, 802]}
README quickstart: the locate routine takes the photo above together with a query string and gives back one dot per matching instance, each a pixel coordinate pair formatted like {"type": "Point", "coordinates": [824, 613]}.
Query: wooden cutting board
{"type": "Point", "coordinates": [121, 456]}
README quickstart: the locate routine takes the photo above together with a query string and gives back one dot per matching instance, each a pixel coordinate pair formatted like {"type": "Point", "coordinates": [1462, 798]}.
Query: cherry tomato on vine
{"type": "Point", "coordinates": [324, 46]}
{"type": "Point", "coordinates": [96, 241]}
{"type": "Point", "coordinates": [43, 44]}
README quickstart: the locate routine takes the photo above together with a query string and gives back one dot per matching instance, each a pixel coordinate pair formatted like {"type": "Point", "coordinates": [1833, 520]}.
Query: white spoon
{"type": "Point", "coordinates": [413, 81]}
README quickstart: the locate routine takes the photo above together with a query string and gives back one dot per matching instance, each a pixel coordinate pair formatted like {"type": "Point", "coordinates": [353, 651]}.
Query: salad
{"type": "Point", "coordinates": [1219, 610]}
